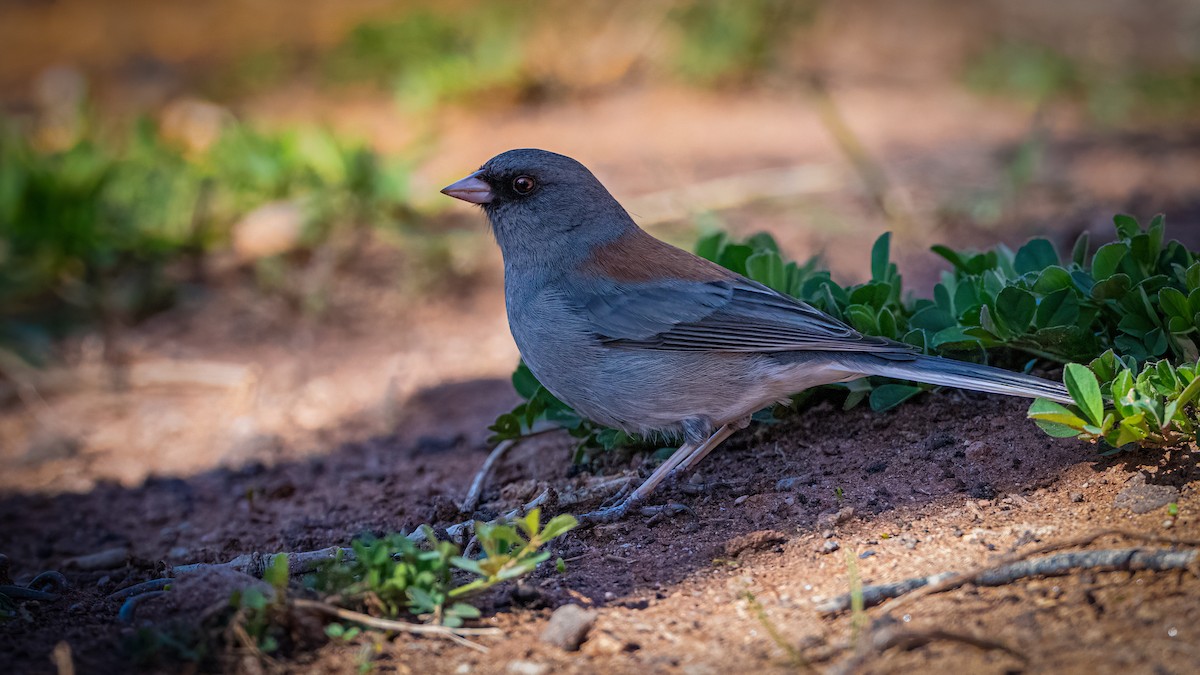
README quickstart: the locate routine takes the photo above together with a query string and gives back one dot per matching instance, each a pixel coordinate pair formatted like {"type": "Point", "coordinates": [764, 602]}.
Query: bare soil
{"type": "Point", "coordinates": [372, 418]}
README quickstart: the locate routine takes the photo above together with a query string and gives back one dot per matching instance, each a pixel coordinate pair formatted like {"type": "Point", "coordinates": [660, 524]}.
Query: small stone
{"type": "Point", "coordinates": [740, 500]}
{"type": "Point", "coordinates": [829, 547]}
{"type": "Point", "coordinates": [1077, 497]}
{"type": "Point", "coordinates": [827, 521]}
{"type": "Point", "coordinates": [462, 669]}
{"type": "Point", "coordinates": [1168, 524]}
{"type": "Point", "coordinates": [602, 644]}
{"type": "Point", "coordinates": [526, 668]}
{"type": "Point", "coordinates": [568, 627]}
{"type": "Point", "coordinates": [1142, 497]}
{"type": "Point", "coordinates": [866, 554]}
{"type": "Point", "coordinates": [827, 534]}
{"type": "Point", "coordinates": [759, 540]}
{"type": "Point", "coordinates": [788, 483]}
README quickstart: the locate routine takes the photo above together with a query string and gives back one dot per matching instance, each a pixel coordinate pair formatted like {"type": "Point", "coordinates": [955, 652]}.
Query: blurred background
{"type": "Point", "coordinates": [221, 238]}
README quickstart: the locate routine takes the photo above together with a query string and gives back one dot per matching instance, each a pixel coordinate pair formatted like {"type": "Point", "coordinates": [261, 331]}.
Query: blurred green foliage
{"type": "Point", "coordinates": [428, 56]}
{"type": "Point", "coordinates": [89, 231]}
{"type": "Point", "coordinates": [721, 42]}
{"type": "Point", "coordinates": [1110, 94]}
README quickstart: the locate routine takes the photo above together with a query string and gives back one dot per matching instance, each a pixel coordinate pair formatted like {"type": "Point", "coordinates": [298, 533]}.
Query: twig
{"type": "Point", "coordinates": [1079, 542]}
{"type": "Point", "coordinates": [471, 501]}
{"type": "Point", "coordinates": [911, 639]}
{"type": "Point", "coordinates": [883, 638]}
{"type": "Point", "coordinates": [129, 607]}
{"type": "Point", "coordinates": [869, 169]}
{"type": "Point", "coordinates": [475, 493]}
{"type": "Point", "coordinates": [1127, 559]}
{"type": "Point", "coordinates": [138, 589]}
{"type": "Point", "coordinates": [454, 634]}
{"type": "Point", "coordinates": [255, 564]}
{"type": "Point", "coordinates": [467, 527]}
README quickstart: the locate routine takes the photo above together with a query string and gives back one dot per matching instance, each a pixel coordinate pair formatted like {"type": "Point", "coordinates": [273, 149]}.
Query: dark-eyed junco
{"type": "Point", "coordinates": [639, 335]}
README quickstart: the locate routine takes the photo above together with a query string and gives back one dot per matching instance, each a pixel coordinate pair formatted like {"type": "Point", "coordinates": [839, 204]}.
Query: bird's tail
{"type": "Point", "coordinates": [950, 373]}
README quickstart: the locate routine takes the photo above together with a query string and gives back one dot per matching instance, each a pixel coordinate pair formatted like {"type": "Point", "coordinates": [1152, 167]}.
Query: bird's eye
{"type": "Point", "coordinates": [523, 185]}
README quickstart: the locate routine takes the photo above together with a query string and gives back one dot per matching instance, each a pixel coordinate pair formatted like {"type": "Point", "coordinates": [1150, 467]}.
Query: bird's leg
{"type": "Point", "coordinates": [681, 457]}
{"type": "Point", "coordinates": [711, 444]}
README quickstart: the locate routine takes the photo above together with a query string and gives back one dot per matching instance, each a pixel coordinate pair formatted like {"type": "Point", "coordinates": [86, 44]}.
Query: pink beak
{"type": "Point", "coordinates": [470, 189]}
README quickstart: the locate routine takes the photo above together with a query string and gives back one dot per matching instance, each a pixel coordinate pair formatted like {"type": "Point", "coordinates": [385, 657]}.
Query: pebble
{"type": "Point", "coordinates": [1142, 497]}
{"type": "Point", "coordinates": [788, 483]}
{"type": "Point", "coordinates": [740, 500]}
{"type": "Point", "coordinates": [1077, 497]}
{"type": "Point", "coordinates": [526, 668]}
{"type": "Point", "coordinates": [829, 547]}
{"type": "Point", "coordinates": [568, 627]}
{"type": "Point", "coordinates": [602, 644]}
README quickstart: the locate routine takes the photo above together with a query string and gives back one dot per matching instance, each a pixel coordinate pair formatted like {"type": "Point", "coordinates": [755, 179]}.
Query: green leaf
{"type": "Point", "coordinates": [558, 526]}
{"type": "Point", "coordinates": [1049, 411]}
{"type": "Point", "coordinates": [1107, 259]}
{"type": "Point", "coordinates": [276, 574]}
{"type": "Point", "coordinates": [766, 267]}
{"type": "Point", "coordinates": [1114, 287]}
{"type": "Point", "coordinates": [734, 256]}
{"type": "Point", "coordinates": [1051, 279]}
{"type": "Point", "coordinates": [1174, 303]}
{"type": "Point", "coordinates": [1056, 430]}
{"type": "Point", "coordinates": [524, 381]}
{"type": "Point", "coordinates": [763, 241]}
{"type": "Point", "coordinates": [888, 396]}
{"type": "Point", "coordinates": [954, 337]}
{"type": "Point", "coordinates": [1034, 256]}
{"type": "Point", "coordinates": [1083, 387]}
{"type": "Point", "coordinates": [1057, 309]}
{"type": "Point", "coordinates": [709, 247]}
{"type": "Point", "coordinates": [953, 256]}
{"type": "Point", "coordinates": [1015, 308]}
{"type": "Point", "coordinates": [1189, 392]}
{"type": "Point", "coordinates": [932, 319]}
{"type": "Point", "coordinates": [1127, 226]}
{"type": "Point", "coordinates": [879, 257]}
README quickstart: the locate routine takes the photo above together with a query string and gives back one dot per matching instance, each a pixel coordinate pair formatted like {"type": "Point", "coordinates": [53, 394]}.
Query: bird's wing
{"type": "Point", "coordinates": [733, 315]}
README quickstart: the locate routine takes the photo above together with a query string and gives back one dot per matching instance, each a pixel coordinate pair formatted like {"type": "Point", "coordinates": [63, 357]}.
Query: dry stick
{"type": "Point", "coordinates": [475, 493]}
{"type": "Point", "coordinates": [951, 582]}
{"type": "Point", "coordinates": [1012, 568]}
{"type": "Point", "coordinates": [455, 634]}
{"type": "Point", "coordinates": [911, 639]}
{"type": "Point", "coordinates": [471, 502]}
{"type": "Point", "coordinates": [883, 639]}
{"type": "Point", "coordinates": [869, 170]}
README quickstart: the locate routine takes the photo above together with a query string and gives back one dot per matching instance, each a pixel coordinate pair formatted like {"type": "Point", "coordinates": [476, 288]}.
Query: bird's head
{"type": "Point", "coordinates": [536, 198]}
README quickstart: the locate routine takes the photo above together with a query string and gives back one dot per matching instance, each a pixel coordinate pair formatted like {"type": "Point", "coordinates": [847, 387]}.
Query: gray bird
{"type": "Point", "coordinates": [639, 335]}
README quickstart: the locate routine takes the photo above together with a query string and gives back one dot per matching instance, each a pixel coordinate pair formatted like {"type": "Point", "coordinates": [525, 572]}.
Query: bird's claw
{"type": "Point", "coordinates": [609, 514]}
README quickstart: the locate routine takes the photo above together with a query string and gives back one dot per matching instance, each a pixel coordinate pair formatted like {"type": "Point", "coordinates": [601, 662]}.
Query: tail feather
{"type": "Point", "coordinates": [950, 373]}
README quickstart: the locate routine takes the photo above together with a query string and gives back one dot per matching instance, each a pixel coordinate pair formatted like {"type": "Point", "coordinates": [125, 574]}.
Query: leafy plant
{"type": "Point", "coordinates": [89, 231]}
{"type": "Point", "coordinates": [395, 575]}
{"type": "Point", "coordinates": [1119, 403]}
{"type": "Point", "coordinates": [1138, 296]}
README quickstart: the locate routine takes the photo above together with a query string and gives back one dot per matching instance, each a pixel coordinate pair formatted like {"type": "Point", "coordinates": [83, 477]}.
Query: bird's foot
{"type": "Point", "coordinates": [610, 514]}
